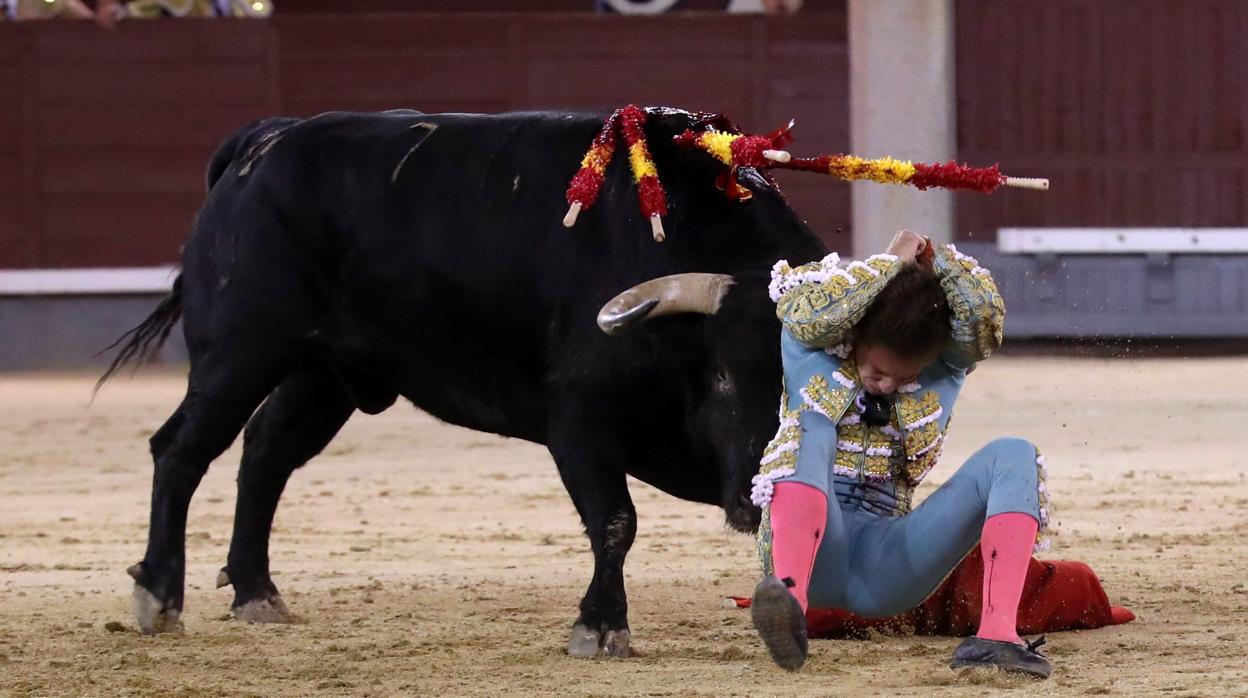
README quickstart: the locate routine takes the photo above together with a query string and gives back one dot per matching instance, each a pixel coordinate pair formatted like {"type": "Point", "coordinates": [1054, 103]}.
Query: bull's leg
{"type": "Point", "coordinates": [295, 423]}
{"type": "Point", "coordinates": [600, 493]}
{"type": "Point", "coordinates": [218, 403]}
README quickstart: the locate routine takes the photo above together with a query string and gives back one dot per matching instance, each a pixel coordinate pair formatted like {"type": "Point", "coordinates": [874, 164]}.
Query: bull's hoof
{"type": "Point", "coordinates": [615, 644]}
{"type": "Point", "coordinates": [152, 614]}
{"type": "Point", "coordinates": [584, 642]}
{"type": "Point", "coordinates": [588, 642]}
{"type": "Point", "coordinates": [270, 610]}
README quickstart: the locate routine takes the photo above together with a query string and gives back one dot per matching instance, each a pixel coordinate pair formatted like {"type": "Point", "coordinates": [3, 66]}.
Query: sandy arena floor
{"type": "Point", "coordinates": [429, 560]}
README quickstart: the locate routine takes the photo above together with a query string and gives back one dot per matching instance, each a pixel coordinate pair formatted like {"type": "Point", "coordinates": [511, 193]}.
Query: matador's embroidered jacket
{"type": "Point", "coordinates": [818, 304]}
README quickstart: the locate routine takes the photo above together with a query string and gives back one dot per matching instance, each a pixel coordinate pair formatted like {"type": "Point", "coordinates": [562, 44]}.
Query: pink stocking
{"type": "Point", "coordinates": [1006, 547]}
{"type": "Point", "coordinates": [798, 515]}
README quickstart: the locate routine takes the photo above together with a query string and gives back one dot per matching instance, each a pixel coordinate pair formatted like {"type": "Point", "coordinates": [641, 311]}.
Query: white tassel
{"type": "Point", "coordinates": [764, 485]}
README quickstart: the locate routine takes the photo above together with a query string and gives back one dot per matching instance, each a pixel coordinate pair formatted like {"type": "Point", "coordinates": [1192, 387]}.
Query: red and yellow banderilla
{"type": "Point", "coordinates": [736, 150]}
{"type": "Point", "coordinates": [627, 123]}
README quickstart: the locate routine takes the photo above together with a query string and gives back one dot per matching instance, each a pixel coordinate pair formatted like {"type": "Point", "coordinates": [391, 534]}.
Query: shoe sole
{"type": "Point", "coordinates": [965, 664]}
{"type": "Point", "coordinates": [771, 612]}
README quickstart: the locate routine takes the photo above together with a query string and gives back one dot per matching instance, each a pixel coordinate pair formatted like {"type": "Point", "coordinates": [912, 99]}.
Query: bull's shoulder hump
{"type": "Point", "coordinates": [385, 123]}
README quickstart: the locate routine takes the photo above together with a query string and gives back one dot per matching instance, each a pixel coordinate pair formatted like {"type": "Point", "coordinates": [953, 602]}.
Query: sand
{"type": "Point", "coordinates": [424, 559]}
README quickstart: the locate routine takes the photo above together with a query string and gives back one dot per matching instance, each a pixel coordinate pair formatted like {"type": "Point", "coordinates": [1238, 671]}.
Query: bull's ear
{"type": "Point", "coordinates": [667, 295]}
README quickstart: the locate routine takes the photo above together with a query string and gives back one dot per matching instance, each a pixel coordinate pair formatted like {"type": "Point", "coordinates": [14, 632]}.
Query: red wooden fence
{"type": "Point", "coordinates": [1135, 110]}
{"type": "Point", "coordinates": [104, 136]}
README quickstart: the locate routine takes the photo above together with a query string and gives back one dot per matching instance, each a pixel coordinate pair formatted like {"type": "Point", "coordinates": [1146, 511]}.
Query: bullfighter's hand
{"type": "Point", "coordinates": [907, 245]}
{"type": "Point", "coordinates": [927, 255]}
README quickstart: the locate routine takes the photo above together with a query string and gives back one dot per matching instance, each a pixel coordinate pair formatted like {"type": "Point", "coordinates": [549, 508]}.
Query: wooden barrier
{"type": "Point", "coordinates": [105, 136]}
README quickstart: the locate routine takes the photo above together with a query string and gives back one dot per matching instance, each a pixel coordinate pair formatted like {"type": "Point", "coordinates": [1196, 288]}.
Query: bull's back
{"type": "Point", "coordinates": [419, 250]}
{"type": "Point", "coordinates": [427, 251]}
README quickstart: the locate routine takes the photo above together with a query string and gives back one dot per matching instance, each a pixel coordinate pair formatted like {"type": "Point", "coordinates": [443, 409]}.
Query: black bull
{"type": "Point", "coordinates": [345, 260]}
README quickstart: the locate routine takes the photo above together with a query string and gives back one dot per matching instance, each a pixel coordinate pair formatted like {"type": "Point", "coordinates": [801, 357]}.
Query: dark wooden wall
{"type": "Point", "coordinates": [104, 136]}
{"type": "Point", "coordinates": [1135, 110]}
{"type": "Point", "coordinates": [113, 132]}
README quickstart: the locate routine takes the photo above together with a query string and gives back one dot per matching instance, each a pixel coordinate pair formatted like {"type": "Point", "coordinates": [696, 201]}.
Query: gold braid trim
{"type": "Point", "coordinates": [781, 451]}
{"type": "Point", "coordinates": [831, 398]}
{"type": "Point", "coordinates": [830, 300]}
{"type": "Point", "coordinates": [920, 422]}
{"type": "Point", "coordinates": [978, 311]}
{"type": "Point", "coordinates": [762, 543]}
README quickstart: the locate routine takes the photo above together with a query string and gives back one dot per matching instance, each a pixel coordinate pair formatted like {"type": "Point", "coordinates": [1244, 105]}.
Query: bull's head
{"type": "Point", "coordinates": [735, 379]}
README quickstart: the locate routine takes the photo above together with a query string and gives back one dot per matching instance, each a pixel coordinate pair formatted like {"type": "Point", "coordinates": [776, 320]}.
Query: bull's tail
{"type": "Point", "coordinates": [142, 342]}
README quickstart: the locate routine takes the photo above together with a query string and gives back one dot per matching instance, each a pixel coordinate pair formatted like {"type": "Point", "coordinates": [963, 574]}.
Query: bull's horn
{"type": "Point", "coordinates": [667, 295]}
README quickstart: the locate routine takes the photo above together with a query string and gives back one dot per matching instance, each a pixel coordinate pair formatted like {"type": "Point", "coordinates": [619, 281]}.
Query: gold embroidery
{"type": "Point", "coordinates": [845, 463]}
{"type": "Point", "coordinates": [870, 450]}
{"type": "Point", "coordinates": [877, 439]}
{"type": "Point", "coordinates": [795, 307]}
{"type": "Point", "coordinates": [787, 459]}
{"type": "Point", "coordinates": [781, 451]}
{"type": "Point", "coordinates": [878, 467]}
{"type": "Point", "coordinates": [851, 432]}
{"type": "Point", "coordinates": [903, 493]}
{"type": "Point", "coordinates": [923, 442]}
{"type": "Point", "coordinates": [911, 410]}
{"type": "Point", "coordinates": [860, 271]}
{"type": "Point", "coordinates": [918, 468]}
{"type": "Point", "coordinates": [883, 455]}
{"type": "Point", "coordinates": [922, 438]}
{"type": "Point", "coordinates": [820, 311]}
{"type": "Point", "coordinates": [763, 541]}
{"type": "Point", "coordinates": [832, 400]}
{"type": "Point", "coordinates": [978, 310]}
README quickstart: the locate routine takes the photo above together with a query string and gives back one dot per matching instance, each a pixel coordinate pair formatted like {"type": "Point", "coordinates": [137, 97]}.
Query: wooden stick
{"type": "Point", "coordinates": [1028, 183]}
{"type": "Point", "coordinates": [777, 155]}
{"type": "Point", "coordinates": [569, 219]}
{"type": "Point", "coordinates": [656, 227]}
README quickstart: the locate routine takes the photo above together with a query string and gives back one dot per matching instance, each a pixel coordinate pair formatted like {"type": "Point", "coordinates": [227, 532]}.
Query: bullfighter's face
{"type": "Point", "coordinates": [882, 371]}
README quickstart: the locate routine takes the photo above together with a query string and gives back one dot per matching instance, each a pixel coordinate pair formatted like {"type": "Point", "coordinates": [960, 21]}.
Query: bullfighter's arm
{"type": "Point", "coordinates": [978, 311]}
{"type": "Point", "coordinates": [819, 302]}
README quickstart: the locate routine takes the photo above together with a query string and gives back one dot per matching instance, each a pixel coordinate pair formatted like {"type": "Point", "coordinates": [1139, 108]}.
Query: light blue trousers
{"type": "Point", "coordinates": [878, 566]}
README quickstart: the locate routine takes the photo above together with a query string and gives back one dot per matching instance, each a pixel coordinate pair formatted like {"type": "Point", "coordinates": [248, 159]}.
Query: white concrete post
{"type": "Point", "coordinates": [901, 103]}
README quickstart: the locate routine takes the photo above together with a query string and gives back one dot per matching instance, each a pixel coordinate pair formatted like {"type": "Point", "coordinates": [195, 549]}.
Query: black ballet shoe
{"type": "Point", "coordinates": [780, 622]}
{"type": "Point", "coordinates": [1007, 656]}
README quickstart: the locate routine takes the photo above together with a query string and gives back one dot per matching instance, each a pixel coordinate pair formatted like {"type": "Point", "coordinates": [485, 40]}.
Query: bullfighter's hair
{"type": "Point", "coordinates": [910, 317]}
